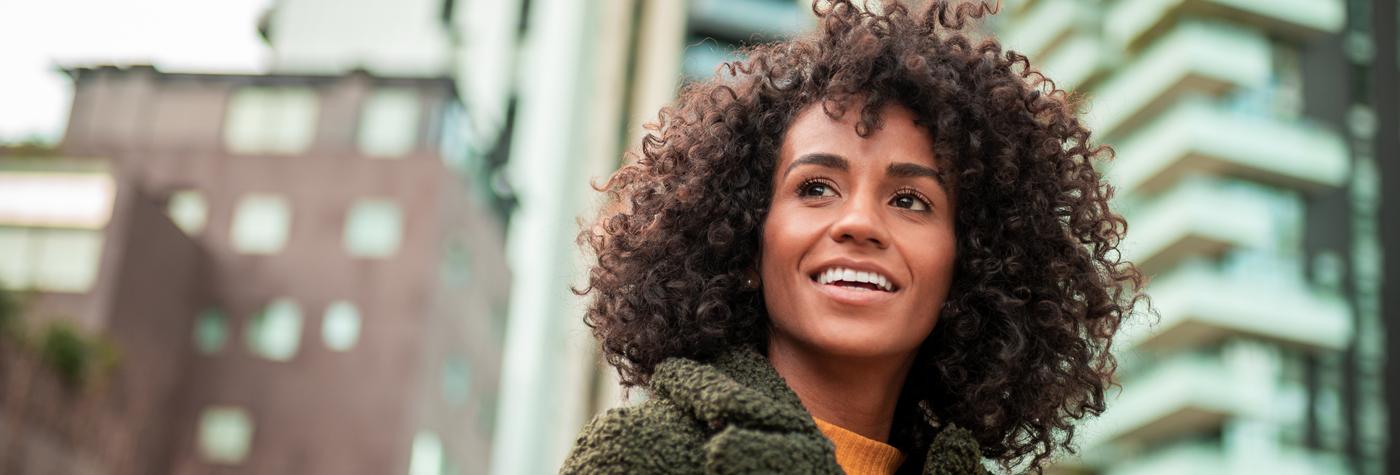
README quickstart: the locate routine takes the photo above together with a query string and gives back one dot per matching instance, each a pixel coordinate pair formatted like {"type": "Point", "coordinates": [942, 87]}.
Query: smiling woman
{"type": "Point", "coordinates": [880, 248]}
{"type": "Point", "coordinates": [857, 250]}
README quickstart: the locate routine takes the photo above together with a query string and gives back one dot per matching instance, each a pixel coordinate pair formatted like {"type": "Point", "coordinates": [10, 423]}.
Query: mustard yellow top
{"type": "Point", "coordinates": [858, 455]}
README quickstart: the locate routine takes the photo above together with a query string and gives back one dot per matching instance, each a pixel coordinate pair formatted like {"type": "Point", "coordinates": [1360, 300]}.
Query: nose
{"type": "Point", "coordinates": [860, 223]}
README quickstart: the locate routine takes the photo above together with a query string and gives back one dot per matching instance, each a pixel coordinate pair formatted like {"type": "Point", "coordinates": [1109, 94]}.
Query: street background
{"type": "Point", "coordinates": [337, 236]}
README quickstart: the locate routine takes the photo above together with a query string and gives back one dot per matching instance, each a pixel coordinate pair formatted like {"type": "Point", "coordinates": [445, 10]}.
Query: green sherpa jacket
{"type": "Point", "coordinates": [730, 416]}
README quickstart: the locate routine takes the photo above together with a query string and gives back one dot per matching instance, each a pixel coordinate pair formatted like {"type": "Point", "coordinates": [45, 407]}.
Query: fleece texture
{"type": "Point", "coordinates": [733, 415]}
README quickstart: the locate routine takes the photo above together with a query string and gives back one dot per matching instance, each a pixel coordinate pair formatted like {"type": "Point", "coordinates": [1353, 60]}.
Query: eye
{"type": "Point", "coordinates": [816, 188]}
{"type": "Point", "coordinates": [910, 200]}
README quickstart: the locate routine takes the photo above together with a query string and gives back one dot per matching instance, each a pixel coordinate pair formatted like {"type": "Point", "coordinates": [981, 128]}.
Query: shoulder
{"type": "Point", "coordinates": [652, 437]}
{"type": "Point", "coordinates": [954, 451]}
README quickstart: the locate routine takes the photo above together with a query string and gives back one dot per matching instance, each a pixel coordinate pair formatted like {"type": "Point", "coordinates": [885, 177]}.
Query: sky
{"type": "Point", "coordinates": [39, 36]}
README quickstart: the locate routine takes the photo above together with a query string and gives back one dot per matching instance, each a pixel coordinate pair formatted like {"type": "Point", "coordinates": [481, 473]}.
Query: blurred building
{"type": "Point", "coordinates": [473, 42]}
{"type": "Point", "coordinates": [554, 91]}
{"type": "Point", "coordinates": [590, 74]}
{"type": "Point", "coordinates": [319, 288]}
{"type": "Point", "coordinates": [91, 256]}
{"type": "Point", "coordinates": [1247, 139]}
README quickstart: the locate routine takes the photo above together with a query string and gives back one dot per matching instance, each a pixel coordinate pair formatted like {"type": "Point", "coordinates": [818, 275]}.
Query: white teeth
{"type": "Point", "coordinates": [848, 275]}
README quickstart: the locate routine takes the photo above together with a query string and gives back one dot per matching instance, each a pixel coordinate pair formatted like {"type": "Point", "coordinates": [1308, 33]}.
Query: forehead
{"type": "Point", "coordinates": [898, 138]}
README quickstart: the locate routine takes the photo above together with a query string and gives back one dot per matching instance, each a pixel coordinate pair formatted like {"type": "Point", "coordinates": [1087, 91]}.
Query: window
{"type": "Point", "coordinates": [78, 200]}
{"type": "Point", "coordinates": [15, 258]}
{"type": "Point", "coordinates": [456, 380]}
{"type": "Point", "coordinates": [340, 328]}
{"type": "Point", "coordinates": [456, 266]}
{"type": "Point", "coordinates": [373, 228]}
{"type": "Point", "coordinates": [188, 210]}
{"type": "Point", "coordinates": [225, 434]}
{"type": "Point", "coordinates": [454, 142]}
{"type": "Point", "coordinates": [1286, 81]}
{"type": "Point", "coordinates": [68, 259]}
{"type": "Point", "coordinates": [210, 331]}
{"type": "Point", "coordinates": [426, 457]}
{"type": "Point", "coordinates": [260, 224]}
{"type": "Point", "coordinates": [271, 120]}
{"type": "Point", "coordinates": [275, 332]}
{"type": "Point", "coordinates": [389, 123]}
{"type": "Point", "coordinates": [50, 259]}
{"type": "Point", "coordinates": [486, 415]}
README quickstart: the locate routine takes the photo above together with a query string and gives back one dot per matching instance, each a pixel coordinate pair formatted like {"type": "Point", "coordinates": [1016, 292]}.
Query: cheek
{"type": "Point", "coordinates": [783, 241]}
{"type": "Point", "coordinates": [776, 254]}
{"type": "Point", "coordinates": [935, 262]}
{"type": "Point", "coordinates": [786, 238]}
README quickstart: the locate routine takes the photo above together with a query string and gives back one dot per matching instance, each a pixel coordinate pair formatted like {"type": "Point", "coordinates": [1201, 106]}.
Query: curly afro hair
{"type": "Point", "coordinates": [1021, 348]}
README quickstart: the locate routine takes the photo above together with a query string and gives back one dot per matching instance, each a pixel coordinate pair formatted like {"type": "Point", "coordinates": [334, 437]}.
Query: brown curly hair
{"type": "Point", "coordinates": [1021, 348]}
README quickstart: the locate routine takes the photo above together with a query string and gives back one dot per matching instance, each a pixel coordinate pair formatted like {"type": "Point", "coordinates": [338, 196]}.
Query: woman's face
{"type": "Point", "coordinates": [858, 246]}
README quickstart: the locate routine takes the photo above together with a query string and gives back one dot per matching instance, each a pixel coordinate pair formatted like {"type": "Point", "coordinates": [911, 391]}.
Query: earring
{"type": "Point", "coordinates": [751, 279]}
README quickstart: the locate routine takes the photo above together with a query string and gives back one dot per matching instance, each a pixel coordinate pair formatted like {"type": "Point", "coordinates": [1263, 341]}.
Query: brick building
{"type": "Point", "coordinates": [301, 272]}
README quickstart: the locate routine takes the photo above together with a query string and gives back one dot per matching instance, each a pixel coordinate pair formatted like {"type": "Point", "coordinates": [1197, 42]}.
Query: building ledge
{"type": "Point", "coordinates": [1205, 458]}
{"type": "Point", "coordinates": [1195, 57]}
{"type": "Point", "coordinates": [1207, 216]}
{"type": "Point", "coordinates": [1077, 61]}
{"type": "Point", "coordinates": [1199, 304]}
{"type": "Point", "coordinates": [1134, 23]}
{"type": "Point", "coordinates": [1042, 27]}
{"type": "Point", "coordinates": [1197, 136]}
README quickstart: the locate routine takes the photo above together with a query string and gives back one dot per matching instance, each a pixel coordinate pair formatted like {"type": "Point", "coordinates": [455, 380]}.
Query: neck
{"type": "Point", "coordinates": [858, 394]}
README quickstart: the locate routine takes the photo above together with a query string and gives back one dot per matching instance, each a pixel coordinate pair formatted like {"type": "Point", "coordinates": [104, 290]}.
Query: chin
{"type": "Point", "coordinates": [859, 339]}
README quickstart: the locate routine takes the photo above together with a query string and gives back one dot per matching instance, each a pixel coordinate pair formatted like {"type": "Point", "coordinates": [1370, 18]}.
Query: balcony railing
{"type": "Point", "coordinates": [1200, 458]}
{"type": "Point", "coordinates": [1184, 395]}
{"type": "Point", "coordinates": [1197, 136]}
{"type": "Point", "coordinates": [1195, 57]}
{"type": "Point", "coordinates": [1042, 26]}
{"type": "Point", "coordinates": [1132, 23]}
{"type": "Point", "coordinates": [1077, 59]}
{"type": "Point", "coordinates": [749, 20]}
{"type": "Point", "coordinates": [1200, 303]}
{"type": "Point", "coordinates": [1197, 396]}
{"type": "Point", "coordinates": [1206, 216]}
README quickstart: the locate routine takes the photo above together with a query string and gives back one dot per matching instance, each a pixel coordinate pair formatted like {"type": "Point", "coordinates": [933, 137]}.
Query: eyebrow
{"type": "Point", "coordinates": [895, 170]}
{"type": "Point", "coordinates": [913, 170]}
{"type": "Point", "coordinates": [819, 159]}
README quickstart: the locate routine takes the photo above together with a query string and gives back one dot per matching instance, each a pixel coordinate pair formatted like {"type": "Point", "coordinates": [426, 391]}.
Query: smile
{"type": "Point", "coordinates": [854, 279]}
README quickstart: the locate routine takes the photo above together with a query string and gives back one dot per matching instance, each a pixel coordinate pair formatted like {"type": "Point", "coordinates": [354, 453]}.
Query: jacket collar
{"type": "Point", "coordinates": [752, 411]}
{"type": "Point", "coordinates": [739, 387]}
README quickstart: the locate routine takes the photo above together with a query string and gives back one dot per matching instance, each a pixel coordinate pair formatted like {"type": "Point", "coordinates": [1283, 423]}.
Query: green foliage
{"type": "Point", "coordinates": [30, 148]}
{"type": "Point", "coordinates": [74, 356]}
{"type": "Point", "coordinates": [67, 352]}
